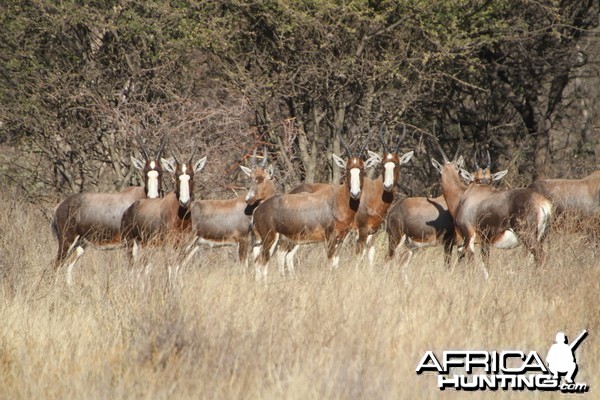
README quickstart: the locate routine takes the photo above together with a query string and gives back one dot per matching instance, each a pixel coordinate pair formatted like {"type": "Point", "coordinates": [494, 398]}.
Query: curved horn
{"type": "Point", "coordinates": [364, 144]}
{"type": "Point", "coordinates": [253, 159]}
{"type": "Point", "coordinates": [143, 148]}
{"type": "Point", "coordinates": [489, 159]}
{"type": "Point", "coordinates": [263, 163]}
{"type": "Point", "coordinates": [444, 156]}
{"type": "Point", "coordinates": [161, 147]}
{"type": "Point", "coordinates": [193, 154]}
{"type": "Point", "coordinates": [475, 151]}
{"type": "Point", "coordinates": [460, 133]}
{"type": "Point", "coordinates": [437, 143]}
{"type": "Point", "coordinates": [345, 146]}
{"type": "Point", "coordinates": [401, 138]}
{"type": "Point", "coordinates": [381, 137]}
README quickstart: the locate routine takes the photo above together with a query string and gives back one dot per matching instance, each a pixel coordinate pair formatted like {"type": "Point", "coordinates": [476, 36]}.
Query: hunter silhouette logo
{"type": "Point", "coordinates": [507, 370]}
{"type": "Point", "coordinates": [561, 356]}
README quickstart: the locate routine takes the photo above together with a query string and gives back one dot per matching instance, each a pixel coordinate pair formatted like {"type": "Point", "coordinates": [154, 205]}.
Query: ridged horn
{"type": "Point", "coordinates": [263, 163]}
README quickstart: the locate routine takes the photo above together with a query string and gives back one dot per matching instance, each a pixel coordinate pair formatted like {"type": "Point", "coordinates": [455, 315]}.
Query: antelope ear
{"type": "Point", "coordinates": [246, 170]}
{"type": "Point", "coordinates": [460, 162]}
{"type": "Point", "coordinates": [199, 164]}
{"type": "Point", "coordinates": [169, 164]}
{"type": "Point", "coordinates": [339, 161]}
{"type": "Point", "coordinates": [499, 175]}
{"type": "Point", "coordinates": [372, 154]}
{"type": "Point", "coordinates": [406, 157]}
{"type": "Point", "coordinates": [437, 165]}
{"type": "Point", "coordinates": [466, 175]}
{"type": "Point", "coordinates": [137, 163]}
{"type": "Point", "coordinates": [270, 171]}
{"type": "Point", "coordinates": [373, 160]}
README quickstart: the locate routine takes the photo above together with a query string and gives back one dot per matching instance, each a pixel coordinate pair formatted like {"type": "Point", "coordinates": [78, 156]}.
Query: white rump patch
{"type": "Point", "coordinates": [507, 240]}
{"type": "Point", "coordinates": [355, 182]}
{"type": "Point", "coordinates": [388, 179]}
{"type": "Point", "coordinates": [152, 185]}
{"type": "Point", "coordinates": [184, 188]}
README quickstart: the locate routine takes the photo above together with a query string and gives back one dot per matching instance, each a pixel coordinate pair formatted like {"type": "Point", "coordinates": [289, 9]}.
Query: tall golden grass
{"type": "Point", "coordinates": [136, 331]}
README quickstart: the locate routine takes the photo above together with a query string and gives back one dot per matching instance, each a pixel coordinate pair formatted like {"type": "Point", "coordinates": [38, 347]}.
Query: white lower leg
{"type": "Point", "coordinates": [281, 257]}
{"type": "Point", "coordinates": [191, 255]}
{"type": "Point", "coordinates": [257, 272]}
{"type": "Point", "coordinates": [371, 255]}
{"type": "Point", "coordinates": [79, 250]}
{"type": "Point", "coordinates": [255, 252]}
{"type": "Point", "coordinates": [335, 261]}
{"type": "Point", "coordinates": [289, 259]}
{"type": "Point", "coordinates": [135, 250]}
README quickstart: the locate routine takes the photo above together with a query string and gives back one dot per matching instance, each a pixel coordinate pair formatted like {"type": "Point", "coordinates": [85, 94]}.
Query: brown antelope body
{"type": "Point", "coordinates": [425, 222]}
{"type": "Point", "coordinates": [324, 215]}
{"type": "Point", "coordinates": [96, 217]}
{"type": "Point", "coordinates": [377, 196]}
{"type": "Point", "coordinates": [167, 218]}
{"type": "Point", "coordinates": [222, 222]}
{"type": "Point", "coordinates": [499, 218]}
{"type": "Point", "coordinates": [576, 195]}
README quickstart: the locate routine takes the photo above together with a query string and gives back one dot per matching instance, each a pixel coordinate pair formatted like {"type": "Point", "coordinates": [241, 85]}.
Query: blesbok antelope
{"type": "Point", "coordinates": [95, 218]}
{"type": "Point", "coordinates": [424, 222]}
{"type": "Point", "coordinates": [377, 195]}
{"type": "Point", "coordinates": [572, 195]}
{"type": "Point", "coordinates": [163, 219]}
{"type": "Point", "coordinates": [229, 222]}
{"type": "Point", "coordinates": [324, 215]}
{"type": "Point", "coordinates": [376, 200]}
{"type": "Point", "coordinates": [499, 218]}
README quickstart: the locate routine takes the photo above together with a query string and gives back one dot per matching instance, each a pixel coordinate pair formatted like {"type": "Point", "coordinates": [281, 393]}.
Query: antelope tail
{"type": "Point", "coordinates": [543, 222]}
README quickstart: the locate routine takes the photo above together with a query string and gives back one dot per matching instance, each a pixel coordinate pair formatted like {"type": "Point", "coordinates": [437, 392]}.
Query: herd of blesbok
{"type": "Point", "coordinates": [469, 211]}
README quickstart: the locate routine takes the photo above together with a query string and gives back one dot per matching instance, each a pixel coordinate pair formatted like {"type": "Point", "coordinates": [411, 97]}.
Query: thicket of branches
{"type": "Point", "coordinates": [79, 80]}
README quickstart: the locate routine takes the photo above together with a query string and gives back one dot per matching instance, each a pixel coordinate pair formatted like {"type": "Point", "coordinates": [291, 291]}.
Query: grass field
{"type": "Point", "coordinates": [124, 331]}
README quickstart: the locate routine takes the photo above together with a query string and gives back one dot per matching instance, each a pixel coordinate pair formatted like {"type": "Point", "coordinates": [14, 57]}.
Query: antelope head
{"type": "Point", "coordinates": [391, 161]}
{"type": "Point", "coordinates": [184, 176]}
{"type": "Point", "coordinates": [355, 168]}
{"type": "Point", "coordinates": [450, 168]}
{"type": "Point", "coordinates": [482, 176]}
{"type": "Point", "coordinates": [151, 169]}
{"type": "Point", "coordinates": [262, 179]}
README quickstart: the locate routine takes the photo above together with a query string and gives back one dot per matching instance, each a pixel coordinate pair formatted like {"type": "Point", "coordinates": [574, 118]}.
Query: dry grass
{"type": "Point", "coordinates": [356, 332]}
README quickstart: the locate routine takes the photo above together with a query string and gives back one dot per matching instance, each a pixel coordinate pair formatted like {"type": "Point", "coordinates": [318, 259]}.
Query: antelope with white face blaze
{"type": "Point", "coordinates": [324, 215]}
{"type": "Point", "coordinates": [499, 218]}
{"type": "Point", "coordinates": [424, 222]}
{"type": "Point", "coordinates": [229, 222]}
{"type": "Point", "coordinates": [96, 217]}
{"type": "Point", "coordinates": [377, 198]}
{"type": "Point", "coordinates": [166, 218]}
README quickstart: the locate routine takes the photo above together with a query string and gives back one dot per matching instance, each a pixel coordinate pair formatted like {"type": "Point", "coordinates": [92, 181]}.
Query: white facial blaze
{"type": "Point", "coordinates": [250, 195]}
{"type": "Point", "coordinates": [388, 178]}
{"type": "Point", "coordinates": [184, 186]}
{"type": "Point", "coordinates": [355, 182]}
{"type": "Point", "coordinates": [152, 184]}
